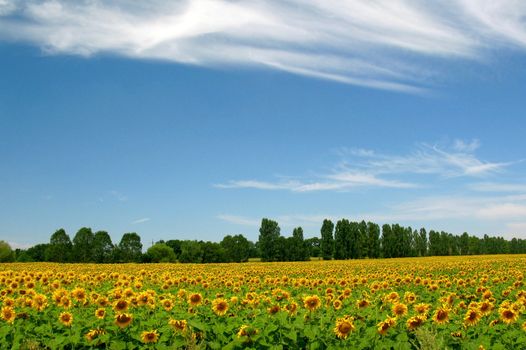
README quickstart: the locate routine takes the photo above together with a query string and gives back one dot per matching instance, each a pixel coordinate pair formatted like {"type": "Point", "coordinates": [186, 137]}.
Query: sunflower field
{"type": "Point", "coordinates": [474, 302]}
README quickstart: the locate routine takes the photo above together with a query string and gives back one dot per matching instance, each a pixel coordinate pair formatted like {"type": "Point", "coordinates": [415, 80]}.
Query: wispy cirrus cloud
{"type": "Point", "coordinates": [140, 221]}
{"type": "Point", "coordinates": [360, 168]}
{"type": "Point", "coordinates": [504, 214]}
{"type": "Point", "coordinates": [379, 44]}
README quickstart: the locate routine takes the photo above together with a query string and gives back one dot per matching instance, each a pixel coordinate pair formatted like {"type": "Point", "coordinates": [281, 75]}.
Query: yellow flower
{"type": "Point", "coordinates": [415, 322]}
{"type": "Point", "coordinates": [123, 320]}
{"type": "Point", "coordinates": [508, 315]}
{"type": "Point", "coordinates": [94, 333]}
{"type": "Point", "coordinates": [312, 302]}
{"type": "Point", "coordinates": [178, 325]}
{"type": "Point", "coordinates": [441, 315]}
{"type": "Point", "coordinates": [246, 331]}
{"type": "Point", "coordinates": [220, 306]}
{"type": "Point", "coordinates": [120, 306]}
{"type": "Point", "coordinates": [344, 327]}
{"type": "Point", "coordinates": [149, 336]}
{"type": "Point", "coordinates": [195, 299]}
{"type": "Point", "coordinates": [66, 318]}
{"type": "Point", "coordinates": [100, 313]}
{"type": "Point", "coordinates": [422, 308]}
{"type": "Point", "coordinates": [8, 314]}
{"type": "Point", "coordinates": [399, 309]}
{"type": "Point", "coordinates": [472, 317]}
{"type": "Point", "coordinates": [384, 326]}
{"type": "Point", "coordinates": [167, 304]}
{"type": "Point", "coordinates": [337, 304]}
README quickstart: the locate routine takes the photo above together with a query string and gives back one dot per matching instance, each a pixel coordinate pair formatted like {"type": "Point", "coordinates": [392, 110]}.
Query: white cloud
{"type": "Point", "coordinates": [362, 168]}
{"type": "Point", "coordinates": [498, 187]}
{"type": "Point", "coordinates": [239, 220]}
{"type": "Point", "coordinates": [16, 245]}
{"type": "Point", "coordinates": [140, 221]}
{"type": "Point", "coordinates": [119, 196]}
{"type": "Point", "coordinates": [383, 44]}
{"type": "Point", "coordinates": [463, 146]}
{"type": "Point", "coordinates": [7, 7]}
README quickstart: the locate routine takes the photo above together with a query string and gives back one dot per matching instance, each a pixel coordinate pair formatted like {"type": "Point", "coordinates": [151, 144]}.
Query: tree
{"type": "Point", "coordinates": [102, 247]}
{"type": "Point", "coordinates": [60, 247]}
{"type": "Point", "coordinates": [237, 248]}
{"type": "Point", "coordinates": [161, 252]}
{"type": "Point", "coordinates": [388, 242]}
{"type": "Point", "coordinates": [213, 252]}
{"type": "Point", "coordinates": [341, 239]}
{"type": "Point", "coordinates": [327, 240]}
{"type": "Point", "coordinates": [269, 234]}
{"type": "Point", "coordinates": [421, 242]}
{"type": "Point", "coordinates": [83, 245]}
{"type": "Point", "coordinates": [36, 252]}
{"type": "Point", "coordinates": [191, 252]}
{"type": "Point", "coordinates": [298, 250]}
{"type": "Point", "coordinates": [313, 246]}
{"type": "Point", "coordinates": [373, 239]}
{"type": "Point", "coordinates": [6, 253]}
{"type": "Point", "coordinates": [130, 248]}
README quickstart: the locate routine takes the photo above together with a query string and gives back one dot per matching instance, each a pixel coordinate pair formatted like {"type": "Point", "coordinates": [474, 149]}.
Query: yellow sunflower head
{"type": "Point", "coordinates": [344, 327]}
{"type": "Point", "coordinates": [149, 336]}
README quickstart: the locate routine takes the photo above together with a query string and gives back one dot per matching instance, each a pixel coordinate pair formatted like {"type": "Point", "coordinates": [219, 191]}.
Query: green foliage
{"type": "Point", "coordinates": [59, 248]}
{"type": "Point", "coordinates": [6, 253]}
{"type": "Point", "coordinates": [102, 247]}
{"type": "Point", "coordinates": [327, 240]}
{"type": "Point", "coordinates": [269, 234]}
{"type": "Point", "coordinates": [83, 245]}
{"type": "Point", "coordinates": [161, 252]}
{"type": "Point", "coordinates": [191, 252]}
{"type": "Point", "coordinates": [237, 248]}
{"type": "Point", "coordinates": [130, 248]}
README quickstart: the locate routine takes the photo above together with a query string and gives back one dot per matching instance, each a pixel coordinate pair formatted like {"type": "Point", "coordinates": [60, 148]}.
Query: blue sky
{"type": "Point", "coordinates": [195, 119]}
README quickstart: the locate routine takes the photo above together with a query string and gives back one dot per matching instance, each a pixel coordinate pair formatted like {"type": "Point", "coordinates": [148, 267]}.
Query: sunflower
{"type": "Point", "coordinates": [8, 314]}
{"type": "Point", "coordinates": [441, 315]}
{"type": "Point", "coordinates": [415, 322]}
{"type": "Point", "coordinates": [195, 299]}
{"type": "Point", "coordinates": [472, 317]}
{"type": "Point", "coordinates": [362, 303]}
{"type": "Point", "coordinates": [344, 326]}
{"type": "Point", "coordinates": [508, 315]}
{"type": "Point", "coordinates": [337, 304]}
{"type": "Point", "coordinates": [149, 336]}
{"type": "Point", "coordinates": [120, 306]}
{"type": "Point", "coordinates": [66, 318]}
{"type": "Point", "coordinates": [384, 326]}
{"type": "Point", "coordinates": [312, 302]}
{"type": "Point", "coordinates": [40, 302]}
{"type": "Point", "coordinates": [273, 309]}
{"type": "Point", "coordinates": [399, 309]}
{"type": "Point", "coordinates": [523, 326]}
{"type": "Point", "coordinates": [291, 308]}
{"type": "Point", "coordinates": [246, 331]}
{"type": "Point", "coordinates": [123, 320]}
{"type": "Point", "coordinates": [167, 304]}
{"type": "Point", "coordinates": [409, 297]}
{"type": "Point", "coordinates": [485, 307]}
{"type": "Point", "coordinates": [100, 313]}
{"type": "Point", "coordinates": [94, 333]}
{"type": "Point", "coordinates": [422, 308]}
{"type": "Point", "coordinates": [178, 325]}
{"type": "Point", "coordinates": [220, 306]}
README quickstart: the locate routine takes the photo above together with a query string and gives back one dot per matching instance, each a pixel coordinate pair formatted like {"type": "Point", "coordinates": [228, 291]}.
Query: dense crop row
{"type": "Point", "coordinates": [463, 302]}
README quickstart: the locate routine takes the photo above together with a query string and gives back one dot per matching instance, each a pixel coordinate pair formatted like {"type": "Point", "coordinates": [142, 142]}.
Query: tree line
{"type": "Point", "coordinates": [343, 240]}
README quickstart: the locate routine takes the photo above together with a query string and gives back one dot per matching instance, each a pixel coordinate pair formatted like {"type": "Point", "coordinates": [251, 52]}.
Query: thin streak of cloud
{"type": "Point", "coordinates": [498, 187]}
{"type": "Point", "coordinates": [362, 168]}
{"type": "Point", "coordinates": [140, 221]}
{"type": "Point", "coordinates": [383, 44]}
